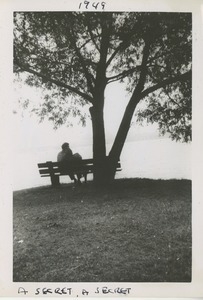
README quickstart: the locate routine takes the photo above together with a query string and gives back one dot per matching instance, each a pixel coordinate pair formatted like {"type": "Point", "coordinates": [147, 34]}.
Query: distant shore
{"type": "Point", "coordinates": [154, 159]}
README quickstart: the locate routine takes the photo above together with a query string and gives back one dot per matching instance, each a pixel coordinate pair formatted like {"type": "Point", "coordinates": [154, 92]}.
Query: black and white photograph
{"type": "Point", "coordinates": [101, 145]}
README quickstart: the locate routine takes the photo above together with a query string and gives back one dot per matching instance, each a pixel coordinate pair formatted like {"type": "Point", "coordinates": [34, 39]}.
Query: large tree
{"type": "Point", "coordinates": [75, 55]}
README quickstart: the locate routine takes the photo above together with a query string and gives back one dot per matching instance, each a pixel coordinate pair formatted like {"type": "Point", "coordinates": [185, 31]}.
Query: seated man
{"type": "Point", "coordinates": [66, 157]}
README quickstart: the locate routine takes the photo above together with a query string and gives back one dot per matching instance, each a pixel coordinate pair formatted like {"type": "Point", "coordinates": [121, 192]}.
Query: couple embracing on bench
{"type": "Point", "coordinates": [70, 161]}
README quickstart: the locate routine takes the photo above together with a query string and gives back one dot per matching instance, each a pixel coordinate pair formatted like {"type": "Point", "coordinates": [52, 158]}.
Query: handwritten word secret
{"type": "Point", "coordinates": [106, 290]}
{"type": "Point", "coordinates": [68, 291]}
{"type": "Point", "coordinates": [88, 5]}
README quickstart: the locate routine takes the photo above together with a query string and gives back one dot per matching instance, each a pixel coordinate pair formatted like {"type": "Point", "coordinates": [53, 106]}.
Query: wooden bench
{"type": "Point", "coordinates": [56, 169]}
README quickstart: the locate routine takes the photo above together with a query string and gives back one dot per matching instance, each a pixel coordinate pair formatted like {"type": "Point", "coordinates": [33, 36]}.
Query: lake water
{"type": "Point", "coordinates": [155, 159]}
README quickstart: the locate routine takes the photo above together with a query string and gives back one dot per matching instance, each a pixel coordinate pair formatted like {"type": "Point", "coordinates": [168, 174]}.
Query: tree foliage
{"type": "Point", "coordinates": [61, 52]}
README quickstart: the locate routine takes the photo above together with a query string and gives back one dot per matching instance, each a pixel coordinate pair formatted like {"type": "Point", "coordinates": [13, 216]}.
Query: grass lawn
{"type": "Point", "coordinates": [137, 230]}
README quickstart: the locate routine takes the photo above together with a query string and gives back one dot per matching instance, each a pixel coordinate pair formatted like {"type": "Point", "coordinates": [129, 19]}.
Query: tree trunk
{"type": "Point", "coordinates": [96, 111]}
{"type": "Point", "coordinates": [114, 154]}
{"type": "Point", "coordinates": [105, 167]}
{"type": "Point", "coordinates": [99, 145]}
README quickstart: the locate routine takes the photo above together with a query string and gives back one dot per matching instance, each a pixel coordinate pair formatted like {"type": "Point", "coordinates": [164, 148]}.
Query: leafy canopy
{"type": "Point", "coordinates": [61, 53]}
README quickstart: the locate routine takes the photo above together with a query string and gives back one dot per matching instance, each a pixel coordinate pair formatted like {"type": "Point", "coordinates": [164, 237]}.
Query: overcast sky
{"type": "Point", "coordinates": [29, 133]}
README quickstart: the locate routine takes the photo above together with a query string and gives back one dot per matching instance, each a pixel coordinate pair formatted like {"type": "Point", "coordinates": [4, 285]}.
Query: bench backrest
{"type": "Point", "coordinates": [50, 168]}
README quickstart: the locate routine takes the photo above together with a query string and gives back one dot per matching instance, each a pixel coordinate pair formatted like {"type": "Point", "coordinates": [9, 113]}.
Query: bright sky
{"type": "Point", "coordinates": [29, 133]}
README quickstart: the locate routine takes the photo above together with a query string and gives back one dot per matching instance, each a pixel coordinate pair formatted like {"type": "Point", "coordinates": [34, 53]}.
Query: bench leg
{"type": "Point", "coordinates": [55, 180]}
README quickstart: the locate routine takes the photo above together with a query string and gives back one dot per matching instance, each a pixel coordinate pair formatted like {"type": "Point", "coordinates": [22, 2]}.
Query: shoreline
{"type": "Point", "coordinates": [90, 182]}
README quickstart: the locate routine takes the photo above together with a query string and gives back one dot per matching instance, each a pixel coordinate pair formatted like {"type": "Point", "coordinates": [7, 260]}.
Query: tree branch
{"type": "Point", "coordinates": [87, 74]}
{"type": "Point", "coordinates": [181, 77]}
{"type": "Point", "coordinates": [173, 101]}
{"type": "Point", "coordinates": [121, 75]}
{"type": "Point", "coordinates": [91, 35]}
{"type": "Point", "coordinates": [101, 81]}
{"type": "Point", "coordinates": [121, 45]}
{"type": "Point", "coordinates": [83, 45]}
{"type": "Point", "coordinates": [143, 68]}
{"type": "Point", "coordinates": [58, 83]}
{"type": "Point", "coordinates": [153, 58]}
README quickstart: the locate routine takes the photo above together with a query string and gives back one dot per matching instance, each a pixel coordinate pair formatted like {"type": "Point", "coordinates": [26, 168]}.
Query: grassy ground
{"type": "Point", "coordinates": [135, 231]}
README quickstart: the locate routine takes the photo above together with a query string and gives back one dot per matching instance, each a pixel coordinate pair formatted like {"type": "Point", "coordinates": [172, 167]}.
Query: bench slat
{"type": "Point", "coordinates": [58, 171]}
{"type": "Point", "coordinates": [56, 167]}
{"type": "Point", "coordinates": [56, 164]}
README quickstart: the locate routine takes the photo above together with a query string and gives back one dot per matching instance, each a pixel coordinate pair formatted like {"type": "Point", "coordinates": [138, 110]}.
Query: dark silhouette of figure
{"type": "Point", "coordinates": [68, 160]}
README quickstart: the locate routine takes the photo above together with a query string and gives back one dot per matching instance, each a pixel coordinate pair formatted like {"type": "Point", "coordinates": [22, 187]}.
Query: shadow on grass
{"type": "Point", "coordinates": [136, 230]}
